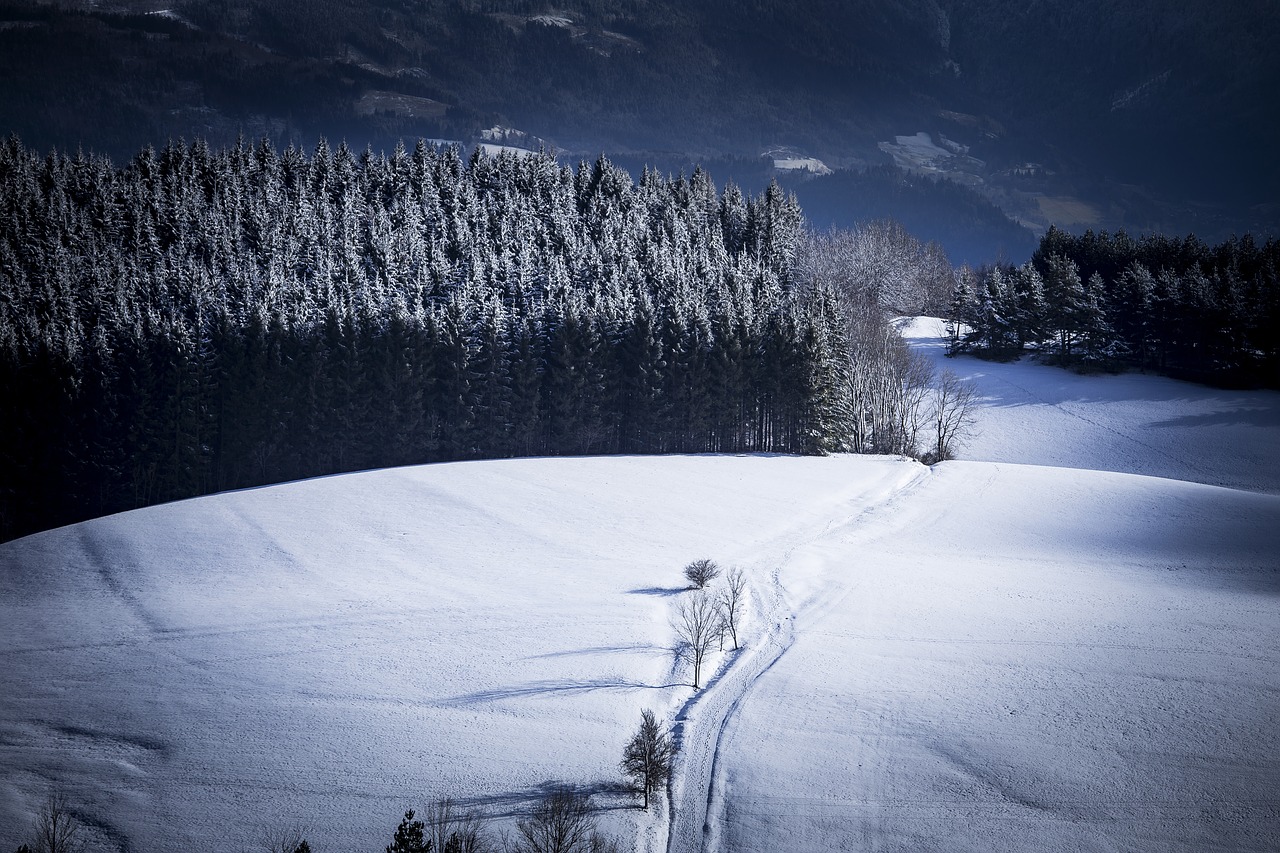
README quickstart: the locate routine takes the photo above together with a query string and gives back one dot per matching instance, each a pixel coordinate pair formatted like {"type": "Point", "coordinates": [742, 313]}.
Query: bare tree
{"type": "Point", "coordinates": [560, 823]}
{"type": "Point", "coordinates": [697, 622]}
{"type": "Point", "coordinates": [954, 414]}
{"type": "Point", "coordinates": [648, 757]}
{"type": "Point", "coordinates": [888, 385]}
{"type": "Point", "coordinates": [285, 839]}
{"type": "Point", "coordinates": [879, 264]}
{"type": "Point", "coordinates": [55, 829]}
{"type": "Point", "coordinates": [451, 830]}
{"type": "Point", "coordinates": [701, 572]}
{"type": "Point", "coordinates": [730, 600]}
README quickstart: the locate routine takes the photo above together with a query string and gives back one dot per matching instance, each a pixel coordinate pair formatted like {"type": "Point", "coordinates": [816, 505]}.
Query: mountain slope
{"type": "Point", "coordinates": [1158, 120]}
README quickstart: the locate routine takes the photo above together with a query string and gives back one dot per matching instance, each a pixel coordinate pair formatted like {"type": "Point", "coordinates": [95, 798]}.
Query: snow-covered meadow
{"type": "Point", "coordinates": [983, 655]}
{"type": "Point", "coordinates": [1130, 422]}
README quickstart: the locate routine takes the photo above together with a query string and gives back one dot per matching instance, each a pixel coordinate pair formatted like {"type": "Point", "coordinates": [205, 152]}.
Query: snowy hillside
{"type": "Point", "coordinates": [981, 656]}
{"type": "Point", "coordinates": [338, 650]}
{"type": "Point", "coordinates": [1023, 658]}
{"type": "Point", "coordinates": [1135, 423]}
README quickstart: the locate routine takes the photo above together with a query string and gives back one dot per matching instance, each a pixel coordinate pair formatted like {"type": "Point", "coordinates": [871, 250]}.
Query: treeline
{"type": "Point", "coordinates": [1109, 301]}
{"type": "Point", "coordinates": [199, 321]}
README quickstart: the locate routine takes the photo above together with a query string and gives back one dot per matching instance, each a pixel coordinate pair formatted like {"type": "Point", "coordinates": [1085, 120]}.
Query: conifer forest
{"type": "Point", "coordinates": [1100, 301]}
{"type": "Point", "coordinates": [202, 320]}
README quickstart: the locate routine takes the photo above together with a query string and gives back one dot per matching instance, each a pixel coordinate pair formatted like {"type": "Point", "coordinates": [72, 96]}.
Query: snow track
{"type": "Point", "coordinates": [696, 792]}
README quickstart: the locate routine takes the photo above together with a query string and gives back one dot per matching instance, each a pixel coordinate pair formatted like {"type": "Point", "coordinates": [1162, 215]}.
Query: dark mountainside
{"type": "Point", "coordinates": [1147, 116]}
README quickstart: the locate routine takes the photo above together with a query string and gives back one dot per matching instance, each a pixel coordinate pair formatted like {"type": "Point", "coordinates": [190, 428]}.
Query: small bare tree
{"type": "Point", "coordinates": [451, 830]}
{"type": "Point", "coordinates": [560, 823]}
{"type": "Point", "coordinates": [55, 830]}
{"type": "Point", "coordinates": [285, 839]}
{"type": "Point", "coordinates": [730, 601]}
{"type": "Point", "coordinates": [648, 757]}
{"type": "Point", "coordinates": [697, 623]}
{"type": "Point", "coordinates": [701, 572]}
{"type": "Point", "coordinates": [954, 413]}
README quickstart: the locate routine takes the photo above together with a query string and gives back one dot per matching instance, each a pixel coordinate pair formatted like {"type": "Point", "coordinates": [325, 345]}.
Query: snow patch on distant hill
{"type": "Point", "coordinates": [553, 21]}
{"type": "Point", "coordinates": [802, 164]}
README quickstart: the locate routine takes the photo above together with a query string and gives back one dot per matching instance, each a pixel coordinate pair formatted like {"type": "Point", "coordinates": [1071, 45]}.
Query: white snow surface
{"type": "Point", "coordinates": [802, 164]}
{"type": "Point", "coordinates": [1129, 422]}
{"type": "Point", "coordinates": [986, 655]}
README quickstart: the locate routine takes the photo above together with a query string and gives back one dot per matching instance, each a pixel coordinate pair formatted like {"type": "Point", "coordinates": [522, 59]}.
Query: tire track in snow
{"type": "Point", "coordinates": [695, 794]}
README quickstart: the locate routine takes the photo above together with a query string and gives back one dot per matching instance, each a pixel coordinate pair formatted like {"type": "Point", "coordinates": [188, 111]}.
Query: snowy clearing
{"type": "Point", "coordinates": [802, 164]}
{"type": "Point", "coordinates": [1131, 422]}
{"type": "Point", "coordinates": [981, 656]}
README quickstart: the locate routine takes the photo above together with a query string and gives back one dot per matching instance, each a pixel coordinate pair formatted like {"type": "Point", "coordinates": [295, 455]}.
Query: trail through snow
{"type": "Point", "coordinates": [697, 789]}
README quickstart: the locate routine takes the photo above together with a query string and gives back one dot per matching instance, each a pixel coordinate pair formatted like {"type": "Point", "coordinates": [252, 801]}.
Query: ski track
{"type": "Point", "coordinates": [695, 793]}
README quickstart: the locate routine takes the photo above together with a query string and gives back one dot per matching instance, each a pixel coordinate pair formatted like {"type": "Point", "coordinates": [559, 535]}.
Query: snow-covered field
{"type": "Point", "coordinates": [1024, 658]}
{"type": "Point", "coordinates": [1129, 422]}
{"type": "Point", "coordinates": [984, 655]}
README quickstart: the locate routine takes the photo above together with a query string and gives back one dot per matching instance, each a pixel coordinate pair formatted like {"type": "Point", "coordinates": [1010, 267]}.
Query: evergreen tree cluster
{"type": "Point", "coordinates": [1109, 301]}
{"type": "Point", "coordinates": [201, 320]}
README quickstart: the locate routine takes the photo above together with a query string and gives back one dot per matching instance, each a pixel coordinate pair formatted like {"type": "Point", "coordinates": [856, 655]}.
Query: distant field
{"type": "Point", "coordinates": [1066, 211]}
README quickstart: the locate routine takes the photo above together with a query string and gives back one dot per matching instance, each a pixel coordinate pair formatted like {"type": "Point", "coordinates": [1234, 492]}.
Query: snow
{"type": "Point", "coordinates": [802, 164]}
{"type": "Point", "coordinates": [492, 150]}
{"type": "Point", "coordinates": [1131, 422]}
{"type": "Point", "coordinates": [1023, 658]}
{"type": "Point", "coordinates": [915, 152]}
{"type": "Point", "coordinates": [553, 21]}
{"type": "Point", "coordinates": [338, 650]}
{"type": "Point", "coordinates": [1023, 651]}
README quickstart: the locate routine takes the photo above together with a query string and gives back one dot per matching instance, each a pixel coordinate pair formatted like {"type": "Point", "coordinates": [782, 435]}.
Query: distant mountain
{"type": "Point", "coordinates": [1152, 114]}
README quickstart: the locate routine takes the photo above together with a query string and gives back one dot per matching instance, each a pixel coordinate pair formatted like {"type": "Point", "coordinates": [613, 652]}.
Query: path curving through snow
{"type": "Point", "coordinates": [696, 790]}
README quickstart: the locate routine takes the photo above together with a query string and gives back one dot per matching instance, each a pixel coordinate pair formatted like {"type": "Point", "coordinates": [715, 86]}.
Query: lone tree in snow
{"type": "Point", "coordinates": [730, 601]}
{"type": "Point", "coordinates": [285, 839]}
{"type": "Point", "coordinates": [54, 829]}
{"type": "Point", "coordinates": [697, 624]}
{"type": "Point", "coordinates": [452, 830]}
{"type": "Point", "coordinates": [701, 572]}
{"type": "Point", "coordinates": [954, 408]}
{"type": "Point", "coordinates": [561, 823]}
{"type": "Point", "coordinates": [648, 757]}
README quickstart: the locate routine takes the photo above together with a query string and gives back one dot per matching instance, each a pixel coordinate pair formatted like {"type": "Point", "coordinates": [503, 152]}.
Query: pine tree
{"type": "Point", "coordinates": [964, 328]}
{"type": "Point", "coordinates": [409, 837]}
{"type": "Point", "coordinates": [1031, 313]}
{"type": "Point", "coordinates": [1065, 294]}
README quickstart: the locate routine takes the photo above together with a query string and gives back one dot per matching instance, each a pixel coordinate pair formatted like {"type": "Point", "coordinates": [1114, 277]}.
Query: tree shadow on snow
{"type": "Point", "coordinates": [547, 688]}
{"type": "Point", "coordinates": [601, 650]}
{"type": "Point", "coordinates": [606, 795]}
{"type": "Point", "coordinates": [1228, 417]}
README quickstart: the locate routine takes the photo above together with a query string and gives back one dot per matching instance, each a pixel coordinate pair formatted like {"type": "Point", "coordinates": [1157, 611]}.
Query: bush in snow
{"type": "Point", "coordinates": [701, 572]}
